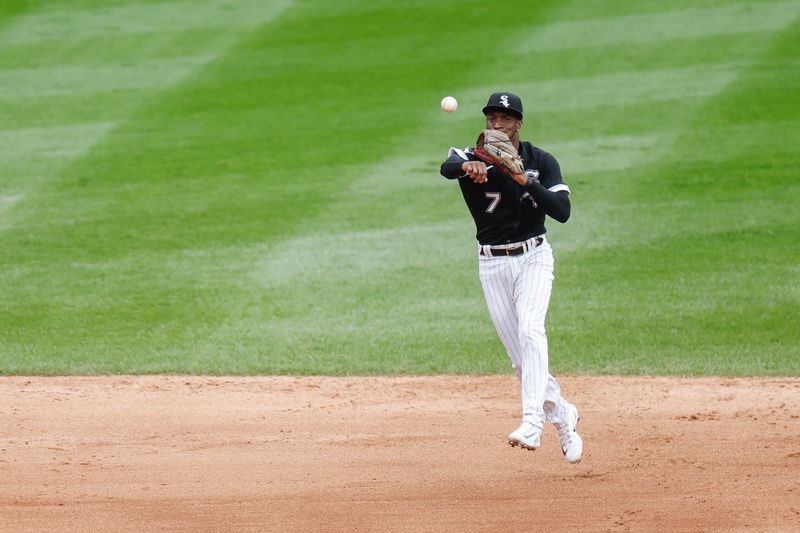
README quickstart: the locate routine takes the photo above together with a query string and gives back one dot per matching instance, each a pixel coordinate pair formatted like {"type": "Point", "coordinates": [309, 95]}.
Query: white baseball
{"type": "Point", "coordinates": [449, 104]}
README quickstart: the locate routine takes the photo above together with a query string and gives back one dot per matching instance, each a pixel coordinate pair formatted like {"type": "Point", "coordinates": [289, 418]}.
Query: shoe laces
{"type": "Point", "coordinates": [566, 437]}
{"type": "Point", "coordinates": [565, 432]}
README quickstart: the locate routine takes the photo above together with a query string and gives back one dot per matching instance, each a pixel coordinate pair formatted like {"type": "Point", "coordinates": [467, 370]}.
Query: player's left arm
{"type": "Point", "coordinates": [548, 190]}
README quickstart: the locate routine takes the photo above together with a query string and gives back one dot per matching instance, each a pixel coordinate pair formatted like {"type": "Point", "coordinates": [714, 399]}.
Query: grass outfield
{"type": "Point", "coordinates": [252, 187]}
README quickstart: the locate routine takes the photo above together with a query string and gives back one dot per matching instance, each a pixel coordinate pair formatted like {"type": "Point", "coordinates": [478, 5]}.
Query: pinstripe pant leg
{"type": "Point", "coordinates": [553, 401]}
{"type": "Point", "coordinates": [497, 281]}
{"type": "Point", "coordinates": [532, 297]}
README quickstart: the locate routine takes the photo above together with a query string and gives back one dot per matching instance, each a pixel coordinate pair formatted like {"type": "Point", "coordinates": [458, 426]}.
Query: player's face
{"type": "Point", "coordinates": [509, 124]}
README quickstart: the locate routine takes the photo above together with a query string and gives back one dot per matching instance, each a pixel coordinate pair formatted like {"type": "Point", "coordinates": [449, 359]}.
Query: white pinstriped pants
{"type": "Point", "coordinates": [517, 290]}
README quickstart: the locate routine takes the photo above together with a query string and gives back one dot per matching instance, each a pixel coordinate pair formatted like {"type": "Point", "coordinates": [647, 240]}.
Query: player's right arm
{"type": "Point", "coordinates": [462, 164]}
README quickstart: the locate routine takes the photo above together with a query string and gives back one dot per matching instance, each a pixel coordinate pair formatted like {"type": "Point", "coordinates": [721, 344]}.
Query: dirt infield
{"type": "Point", "coordinates": [173, 453]}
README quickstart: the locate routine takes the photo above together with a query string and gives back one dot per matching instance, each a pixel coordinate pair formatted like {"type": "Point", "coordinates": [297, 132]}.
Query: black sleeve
{"type": "Point", "coordinates": [549, 191]}
{"type": "Point", "coordinates": [451, 168]}
{"type": "Point", "coordinates": [555, 204]}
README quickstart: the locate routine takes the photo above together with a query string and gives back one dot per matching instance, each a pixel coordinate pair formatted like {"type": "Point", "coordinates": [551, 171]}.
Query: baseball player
{"type": "Point", "coordinates": [508, 203]}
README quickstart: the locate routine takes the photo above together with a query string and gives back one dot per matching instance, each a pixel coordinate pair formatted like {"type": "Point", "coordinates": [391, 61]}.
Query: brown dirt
{"type": "Point", "coordinates": [173, 453]}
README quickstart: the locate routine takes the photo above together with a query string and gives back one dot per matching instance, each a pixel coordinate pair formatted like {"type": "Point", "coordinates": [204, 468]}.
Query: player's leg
{"type": "Point", "coordinates": [497, 282]}
{"type": "Point", "coordinates": [532, 298]}
{"type": "Point", "coordinates": [497, 279]}
{"type": "Point", "coordinates": [535, 289]}
{"type": "Point", "coordinates": [536, 284]}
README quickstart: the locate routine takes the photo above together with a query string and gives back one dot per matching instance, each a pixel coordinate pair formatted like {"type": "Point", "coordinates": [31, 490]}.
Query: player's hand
{"type": "Point", "coordinates": [476, 170]}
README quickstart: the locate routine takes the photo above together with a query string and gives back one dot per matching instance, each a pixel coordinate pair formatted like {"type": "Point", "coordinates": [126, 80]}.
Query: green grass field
{"type": "Point", "coordinates": [251, 186]}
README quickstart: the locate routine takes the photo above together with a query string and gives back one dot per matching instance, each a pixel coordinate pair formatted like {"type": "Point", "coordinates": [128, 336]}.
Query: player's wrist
{"type": "Point", "coordinates": [531, 179]}
{"type": "Point", "coordinates": [520, 178]}
{"type": "Point", "coordinates": [532, 176]}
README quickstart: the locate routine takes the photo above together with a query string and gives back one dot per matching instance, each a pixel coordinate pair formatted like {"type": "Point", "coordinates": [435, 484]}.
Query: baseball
{"type": "Point", "coordinates": [449, 104]}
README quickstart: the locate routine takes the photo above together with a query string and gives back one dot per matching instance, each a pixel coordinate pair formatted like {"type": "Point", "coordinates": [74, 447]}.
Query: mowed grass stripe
{"type": "Point", "coordinates": [31, 155]}
{"type": "Point", "coordinates": [374, 295]}
{"type": "Point", "coordinates": [664, 26]}
{"type": "Point", "coordinates": [58, 110]}
{"type": "Point", "coordinates": [609, 152]}
{"type": "Point", "coordinates": [54, 81]}
{"type": "Point", "coordinates": [67, 141]}
{"type": "Point", "coordinates": [624, 88]}
{"type": "Point", "coordinates": [6, 202]}
{"type": "Point", "coordinates": [71, 23]}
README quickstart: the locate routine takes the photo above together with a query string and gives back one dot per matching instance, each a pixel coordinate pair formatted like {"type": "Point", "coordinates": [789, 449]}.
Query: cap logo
{"type": "Point", "coordinates": [504, 101]}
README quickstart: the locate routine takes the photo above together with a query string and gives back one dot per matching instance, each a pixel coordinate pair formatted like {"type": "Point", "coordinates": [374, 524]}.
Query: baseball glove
{"type": "Point", "coordinates": [493, 146]}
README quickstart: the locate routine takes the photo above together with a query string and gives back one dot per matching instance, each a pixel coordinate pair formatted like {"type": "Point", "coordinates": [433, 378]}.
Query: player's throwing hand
{"type": "Point", "coordinates": [476, 170]}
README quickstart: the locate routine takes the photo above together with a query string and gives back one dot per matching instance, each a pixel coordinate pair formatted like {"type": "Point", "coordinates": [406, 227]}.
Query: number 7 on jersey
{"type": "Point", "coordinates": [495, 197]}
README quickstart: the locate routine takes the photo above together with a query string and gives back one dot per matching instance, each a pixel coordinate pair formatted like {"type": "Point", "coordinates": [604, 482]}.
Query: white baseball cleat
{"type": "Point", "coordinates": [571, 442]}
{"type": "Point", "coordinates": [526, 436]}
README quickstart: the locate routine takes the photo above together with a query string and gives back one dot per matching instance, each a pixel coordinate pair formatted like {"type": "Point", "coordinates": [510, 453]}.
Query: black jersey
{"type": "Point", "coordinates": [505, 211]}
